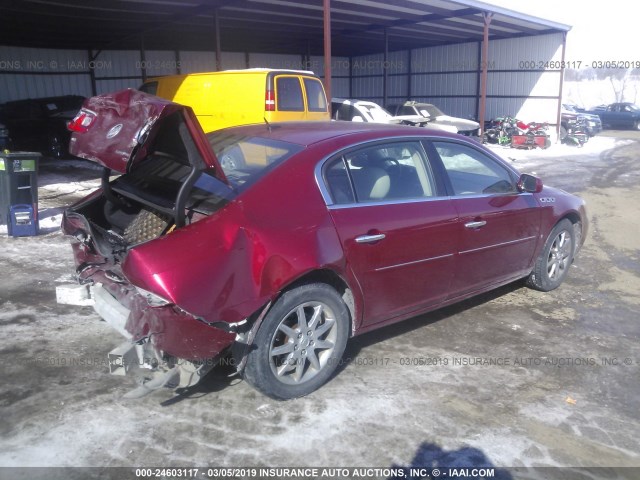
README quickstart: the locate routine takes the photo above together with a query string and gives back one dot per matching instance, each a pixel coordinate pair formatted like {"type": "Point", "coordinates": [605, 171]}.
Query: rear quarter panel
{"type": "Point", "coordinates": [229, 265]}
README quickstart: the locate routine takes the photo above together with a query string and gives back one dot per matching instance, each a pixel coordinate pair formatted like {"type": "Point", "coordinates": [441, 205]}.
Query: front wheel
{"type": "Point", "coordinates": [553, 264]}
{"type": "Point", "coordinates": [300, 342]}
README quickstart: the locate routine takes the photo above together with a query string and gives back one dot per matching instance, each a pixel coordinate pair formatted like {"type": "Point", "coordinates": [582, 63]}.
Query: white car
{"type": "Point", "coordinates": [365, 111]}
{"type": "Point", "coordinates": [436, 117]}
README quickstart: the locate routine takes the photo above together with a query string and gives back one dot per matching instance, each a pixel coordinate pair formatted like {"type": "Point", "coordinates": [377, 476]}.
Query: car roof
{"type": "Point", "coordinates": [309, 133]}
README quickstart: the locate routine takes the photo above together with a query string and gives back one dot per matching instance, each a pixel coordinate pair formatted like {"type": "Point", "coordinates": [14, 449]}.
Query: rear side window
{"type": "Point", "coordinates": [316, 99]}
{"type": "Point", "coordinates": [384, 173]}
{"type": "Point", "coordinates": [289, 94]}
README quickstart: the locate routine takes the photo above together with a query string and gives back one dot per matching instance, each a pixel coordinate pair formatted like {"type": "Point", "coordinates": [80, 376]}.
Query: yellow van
{"type": "Point", "coordinates": [241, 97]}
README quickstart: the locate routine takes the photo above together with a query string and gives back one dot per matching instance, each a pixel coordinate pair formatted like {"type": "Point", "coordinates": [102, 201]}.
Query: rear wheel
{"type": "Point", "coordinates": [553, 264]}
{"type": "Point", "coordinates": [300, 342]}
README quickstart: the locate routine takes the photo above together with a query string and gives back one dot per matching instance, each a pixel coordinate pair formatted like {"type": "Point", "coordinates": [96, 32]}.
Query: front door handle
{"type": "Point", "coordinates": [476, 224]}
{"type": "Point", "coordinates": [370, 238]}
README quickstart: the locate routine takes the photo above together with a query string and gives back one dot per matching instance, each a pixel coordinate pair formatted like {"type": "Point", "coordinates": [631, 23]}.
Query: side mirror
{"type": "Point", "coordinates": [529, 183]}
{"type": "Point", "coordinates": [357, 118]}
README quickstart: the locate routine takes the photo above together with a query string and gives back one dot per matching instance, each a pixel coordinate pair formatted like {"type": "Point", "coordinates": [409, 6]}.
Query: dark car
{"type": "Point", "coordinates": [40, 124]}
{"type": "Point", "coordinates": [619, 115]}
{"type": "Point", "coordinates": [5, 140]}
{"type": "Point", "coordinates": [272, 244]}
{"type": "Point", "coordinates": [590, 122]}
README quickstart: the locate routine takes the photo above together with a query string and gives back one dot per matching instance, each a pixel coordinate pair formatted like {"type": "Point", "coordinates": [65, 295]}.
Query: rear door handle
{"type": "Point", "coordinates": [476, 224]}
{"type": "Point", "coordinates": [370, 238]}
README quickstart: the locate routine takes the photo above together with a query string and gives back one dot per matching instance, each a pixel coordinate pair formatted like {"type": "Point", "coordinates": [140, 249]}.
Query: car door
{"type": "Point", "coordinates": [316, 100]}
{"type": "Point", "coordinates": [398, 233]}
{"type": "Point", "coordinates": [498, 225]}
{"type": "Point", "coordinates": [614, 116]}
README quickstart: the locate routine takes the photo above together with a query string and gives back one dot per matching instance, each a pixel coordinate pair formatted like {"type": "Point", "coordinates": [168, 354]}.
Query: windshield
{"type": "Point", "coordinates": [247, 159]}
{"type": "Point", "coordinates": [430, 111]}
{"type": "Point", "coordinates": [375, 112]}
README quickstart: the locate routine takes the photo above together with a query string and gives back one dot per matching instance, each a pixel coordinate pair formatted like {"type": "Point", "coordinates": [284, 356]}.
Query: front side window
{"type": "Point", "coordinates": [289, 94]}
{"type": "Point", "coordinates": [316, 99]}
{"type": "Point", "coordinates": [472, 172]}
{"type": "Point", "coordinates": [385, 172]}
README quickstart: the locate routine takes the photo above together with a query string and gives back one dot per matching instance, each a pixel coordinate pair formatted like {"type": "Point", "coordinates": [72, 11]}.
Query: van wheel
{"type": "Point", "coordinates": [300, 342]}
{"type": "Point", "coordinates": [232, 160]}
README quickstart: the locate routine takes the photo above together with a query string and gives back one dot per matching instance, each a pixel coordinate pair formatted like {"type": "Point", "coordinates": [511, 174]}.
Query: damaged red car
{"type": "Point", "coordinates": [273, 244]}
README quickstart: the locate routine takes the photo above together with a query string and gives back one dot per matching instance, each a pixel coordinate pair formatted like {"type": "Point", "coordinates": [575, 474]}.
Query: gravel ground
{"type": "Point", "coordinates": [511, 379]}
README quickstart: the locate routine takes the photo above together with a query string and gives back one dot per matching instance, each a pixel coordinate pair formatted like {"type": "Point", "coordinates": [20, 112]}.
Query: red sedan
{"type": "Point", "coordinates": [273, 244]}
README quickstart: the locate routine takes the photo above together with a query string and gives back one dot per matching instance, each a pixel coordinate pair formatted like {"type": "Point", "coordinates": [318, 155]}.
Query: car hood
{"type": "Point", "coordinates": [461, 123]}
{"type": "Point", "coordinates": [118, 130]}
{"type": "Point", "coordinates": [417, 119]}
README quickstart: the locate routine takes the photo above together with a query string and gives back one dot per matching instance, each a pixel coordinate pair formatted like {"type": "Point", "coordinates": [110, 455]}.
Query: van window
{"type": "Point", "coordinates": [289, 94]}
{"type": "Point", "coordinates": [316, 100]}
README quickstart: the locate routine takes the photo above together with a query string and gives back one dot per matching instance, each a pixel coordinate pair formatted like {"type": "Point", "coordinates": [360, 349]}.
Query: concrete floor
{"type": "Point", "coordinates": [511, 379]}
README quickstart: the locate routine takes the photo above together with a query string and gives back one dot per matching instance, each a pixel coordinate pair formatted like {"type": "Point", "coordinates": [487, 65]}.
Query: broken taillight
{"type": "Point", "coordinates": [82, 121]}
{"type": "Point", "coordinates": [269, 101]}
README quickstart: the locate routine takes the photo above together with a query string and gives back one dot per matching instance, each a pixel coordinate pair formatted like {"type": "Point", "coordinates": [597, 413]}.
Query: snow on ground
{"type": "Point", "coordinates": [62, 408]}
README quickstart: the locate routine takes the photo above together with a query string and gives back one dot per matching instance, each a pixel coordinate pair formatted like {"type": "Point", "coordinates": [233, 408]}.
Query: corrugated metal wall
{"type": "Point", "coordinates": [28, 72]}
{"type": "Point", "coordinates": [519, 82]}
{"type": "Point", "coordinates": [34, 72]}
{"type": "Point", "coordinates": [522, 80]}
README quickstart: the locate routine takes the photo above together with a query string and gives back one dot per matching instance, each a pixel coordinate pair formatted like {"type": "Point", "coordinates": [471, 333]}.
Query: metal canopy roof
{"type": "Point", "coordinates": [270, 26]}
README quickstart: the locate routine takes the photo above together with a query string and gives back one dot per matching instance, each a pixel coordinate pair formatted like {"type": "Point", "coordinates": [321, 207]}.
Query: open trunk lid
{"type": "Point", "coordinates": [118, 130]}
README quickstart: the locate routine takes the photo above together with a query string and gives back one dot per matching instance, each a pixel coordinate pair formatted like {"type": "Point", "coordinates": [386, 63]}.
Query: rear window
{"type": "Point", "coordinates": [247, 159]}
{"type": "Point", "coordinates": [289, 94]}
{"type": "Point", "coordinates": [316, 99]}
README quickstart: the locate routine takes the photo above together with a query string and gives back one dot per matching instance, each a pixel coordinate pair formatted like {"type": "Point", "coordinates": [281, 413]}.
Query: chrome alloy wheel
{"type": "Point", "coordinates": [303, 343]}
{"type": "Point", "coordinates": [559, 255]}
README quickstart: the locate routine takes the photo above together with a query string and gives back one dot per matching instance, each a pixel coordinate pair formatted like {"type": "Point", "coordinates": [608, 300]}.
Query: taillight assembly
{"type": "Point", "coordinates": [269, 101]}
{"type": "Point", "coordinates": [82, 121]}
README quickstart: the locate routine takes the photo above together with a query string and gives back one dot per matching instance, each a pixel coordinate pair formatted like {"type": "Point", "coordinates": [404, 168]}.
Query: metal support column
{"type": "Point", "coordinates": [216, 22]}
{"type": "Point", "coordinates": [409, 76]}
{"type": "Point", "coordinates": [143, 60]}
{"type": "Point", "coordinates": [559, 115]}
{"type": "Point", "coordinates": [327, 47]}
{"type": "Point", "coordinates": [485, 65]}
{"type": "Point", "coordinates": [385, 68]}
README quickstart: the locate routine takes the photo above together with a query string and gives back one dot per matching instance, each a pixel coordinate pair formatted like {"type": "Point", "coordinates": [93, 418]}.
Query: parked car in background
{"type": "Point", "coordinates": [436, 116]}
{"type": "Point", "coordinates": [592, 123]}
{"type": "Point", "coordinates": [370, 112]}
{"type": "Point", "coordinates": [319, 231]}
{"type": "Point", "coordinates": [619, 115]}
{"type": "Point", "coordinates": [5, 140]}
{"type": "Point", "coordinates": [40, 124]}
{"type": "Point", "coordinates": [241, 97]}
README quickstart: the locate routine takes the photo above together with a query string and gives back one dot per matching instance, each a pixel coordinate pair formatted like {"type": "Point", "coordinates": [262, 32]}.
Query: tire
{"type": "Point", "coordinates": [232, 160]}
{"type": "Point", "coordinates": [553, 264]}
{"type": "Point", "coordinates": [287, 361]}
{"type": "Point", "coordinates": [55, 147]}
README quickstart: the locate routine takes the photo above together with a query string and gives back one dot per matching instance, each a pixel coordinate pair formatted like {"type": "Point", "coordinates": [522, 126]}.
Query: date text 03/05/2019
{"type": "Point", "coordinates": [577, 64]}
{"type": "Point", "coordinates": [315, 472]}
